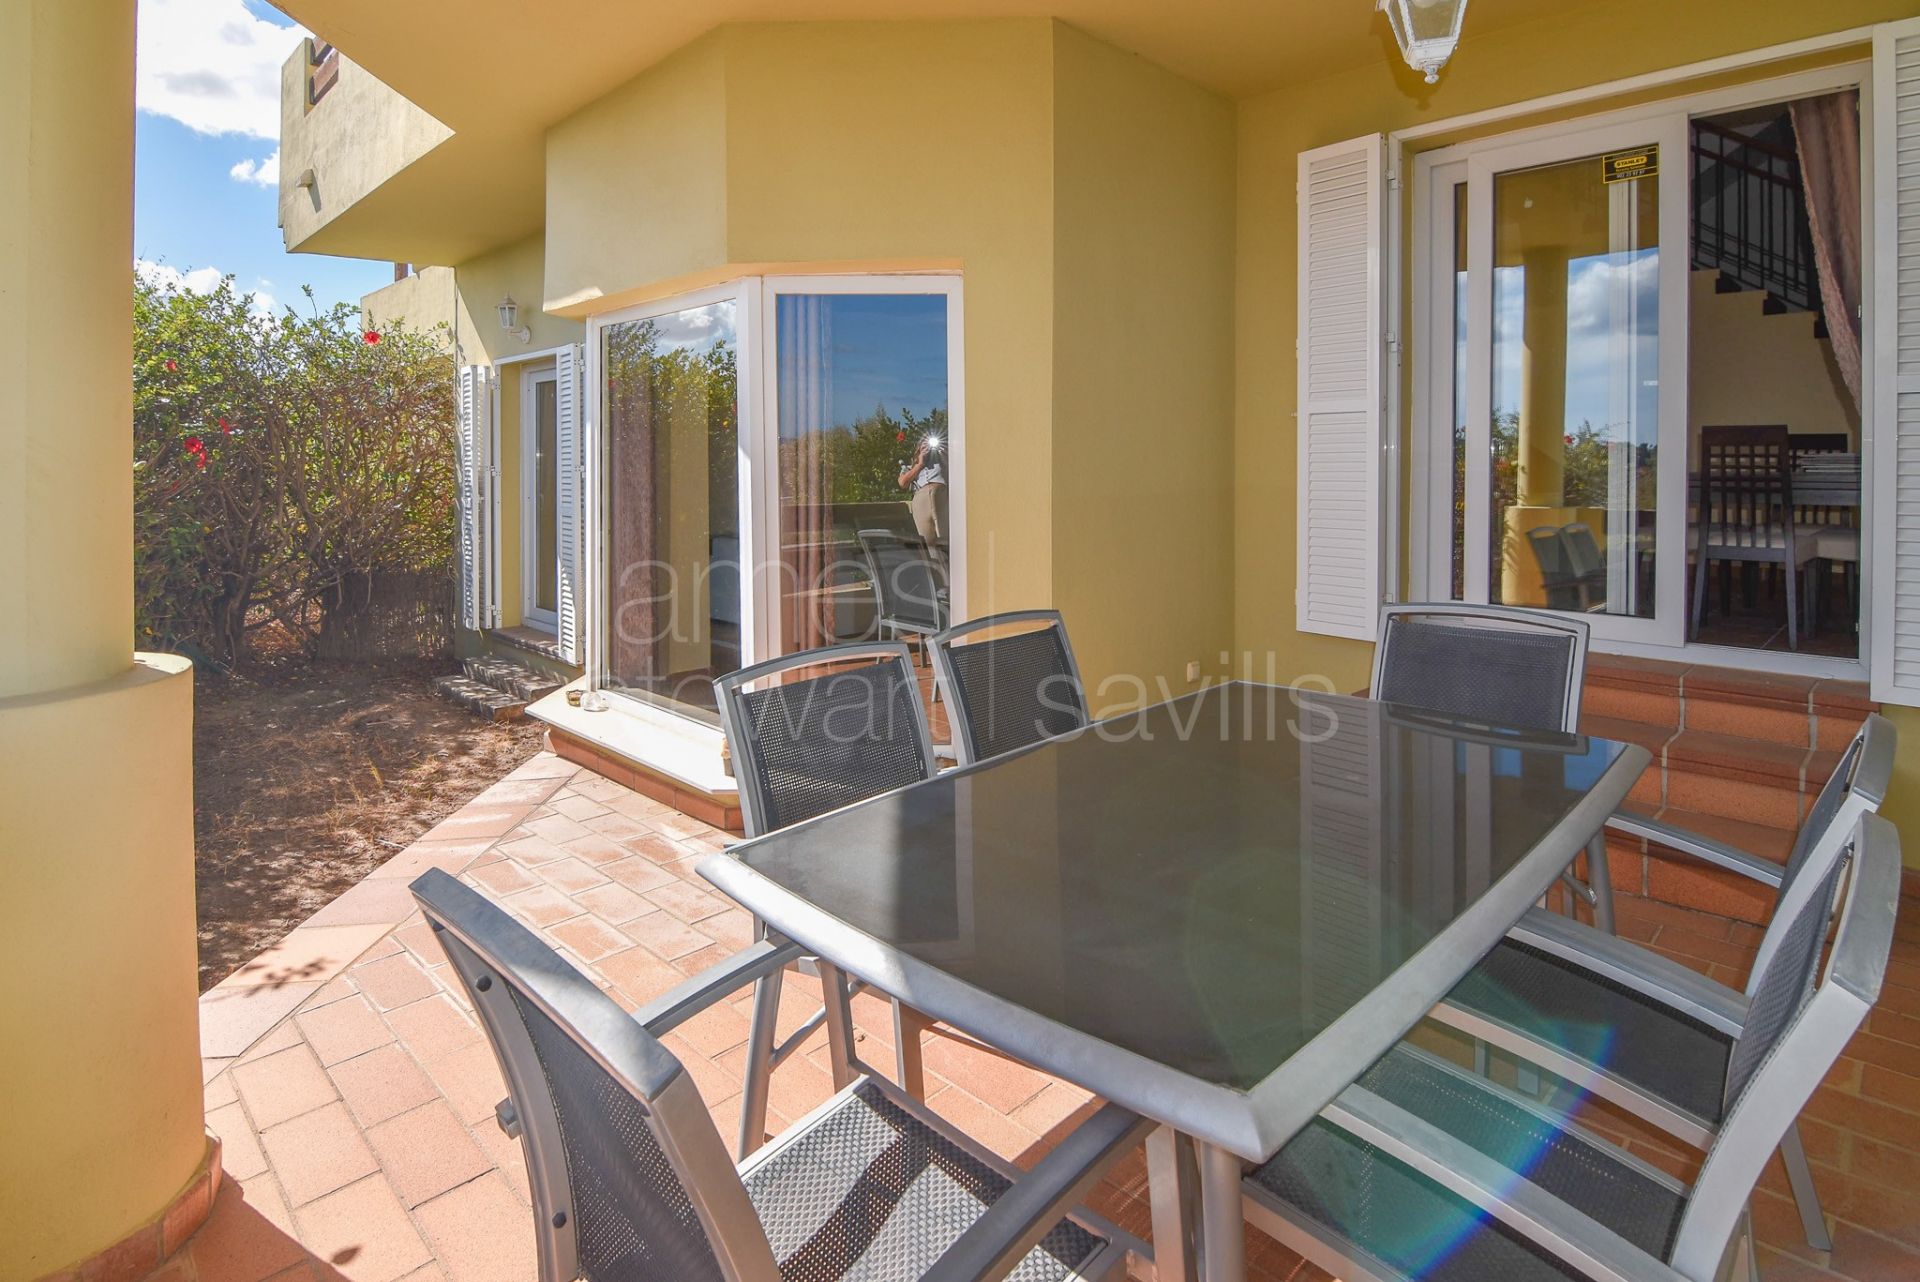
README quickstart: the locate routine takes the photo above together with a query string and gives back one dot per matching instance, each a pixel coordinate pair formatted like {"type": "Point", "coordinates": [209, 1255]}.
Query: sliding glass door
{"type": "Point", "coordinates": [671, 540]}
{"type": "Point", "coordinates": [743, 438]}
{"type": "Point", "coordinates": [861, 430]}
{"type": "Point", "coordinates": [1557, 288]}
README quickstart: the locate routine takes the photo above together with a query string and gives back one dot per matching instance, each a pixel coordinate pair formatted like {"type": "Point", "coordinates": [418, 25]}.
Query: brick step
{"type": "Point", "coordinates": [510, 678]}
{"type": "Point", "coordinates": [1658, 872]}
{"type": "Point", "coordinates": [1768, 707]}
{"type": "Point", "coordinates": [479, 698]}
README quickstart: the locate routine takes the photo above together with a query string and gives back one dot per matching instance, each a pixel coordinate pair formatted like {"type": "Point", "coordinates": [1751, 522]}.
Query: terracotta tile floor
{"type": "Point", "coordinates": [354, 1094]}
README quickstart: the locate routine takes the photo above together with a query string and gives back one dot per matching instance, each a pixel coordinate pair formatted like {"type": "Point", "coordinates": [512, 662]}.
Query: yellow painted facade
{"type": "Point", "coordinates": [99, 1060]}
{"type": "Point", "coordinates": [1127, 237]}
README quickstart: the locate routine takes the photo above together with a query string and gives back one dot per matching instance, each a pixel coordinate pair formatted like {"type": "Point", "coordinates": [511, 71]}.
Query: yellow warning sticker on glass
{"type": "Point", "coordinates": [1625, 166]}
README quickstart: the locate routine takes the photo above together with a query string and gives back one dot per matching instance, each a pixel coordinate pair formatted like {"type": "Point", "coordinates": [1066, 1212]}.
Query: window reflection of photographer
{"type": "Point", "coordinates": [926, 476]}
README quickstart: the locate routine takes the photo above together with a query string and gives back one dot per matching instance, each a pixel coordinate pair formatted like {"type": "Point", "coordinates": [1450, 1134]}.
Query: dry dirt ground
{"type": "Point", "coordinates": [307, 776]}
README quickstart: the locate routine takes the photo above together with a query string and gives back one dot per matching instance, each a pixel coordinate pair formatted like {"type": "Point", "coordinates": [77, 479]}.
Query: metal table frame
{"type": "Point", "coordinates": [1209, 1129]}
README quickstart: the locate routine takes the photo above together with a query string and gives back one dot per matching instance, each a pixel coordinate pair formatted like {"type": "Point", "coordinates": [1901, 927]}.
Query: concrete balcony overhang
{"type": "Point", "coordinates": [430, 148]}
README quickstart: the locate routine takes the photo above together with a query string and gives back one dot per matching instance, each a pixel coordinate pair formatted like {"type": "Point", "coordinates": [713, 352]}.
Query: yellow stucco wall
{"type": "Point", "coordinates": [1582, 47]}
{"type": "Point", "coordinates": [1086, 195]}
{"type": "Point", "coordinates": [99, 1057]}
{"type": "Point", "coordinates": [354, 139]}
{"type": "Point", "coordinates": [1142, 369]}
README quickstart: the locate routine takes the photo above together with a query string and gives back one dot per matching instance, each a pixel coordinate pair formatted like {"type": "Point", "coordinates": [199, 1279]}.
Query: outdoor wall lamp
{"type": "Point", "coordinates": [1426, 31]}
{"type": "Point", "coordinates": [509, 313]}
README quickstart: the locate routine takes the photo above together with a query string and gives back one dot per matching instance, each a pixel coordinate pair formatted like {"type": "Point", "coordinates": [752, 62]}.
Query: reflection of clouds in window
{"type": "Point", "coordinates": [1592, 344]}
{"type": "Point", "coordinates": [697, 328]}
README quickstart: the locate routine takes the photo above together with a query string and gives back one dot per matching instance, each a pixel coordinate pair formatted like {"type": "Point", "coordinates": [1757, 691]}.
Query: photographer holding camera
{"type": "Point", "coordinates": [926, 476]}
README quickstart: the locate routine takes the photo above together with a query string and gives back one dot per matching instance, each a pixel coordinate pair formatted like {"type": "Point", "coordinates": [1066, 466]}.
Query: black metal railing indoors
{"type": "Point", "coordinates": [1750, 216]}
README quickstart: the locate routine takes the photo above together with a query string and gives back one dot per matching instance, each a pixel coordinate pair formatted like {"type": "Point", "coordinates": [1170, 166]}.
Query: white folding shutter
{"type": "Point", "coordinates": [1892, 291]}
{"type": "Point", "coordinates": [1338, 586]}
{"type": "Point", "coordinates": [471, 536]}
{"type": "Point", "coordinates": [569, 499]}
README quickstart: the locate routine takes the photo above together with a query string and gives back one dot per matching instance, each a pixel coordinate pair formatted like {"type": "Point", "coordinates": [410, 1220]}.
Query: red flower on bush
{"type": "Point", "coordinates": [195, 445]}
{"type": "Point", "coordinates": [226, 427]}
{"type": "Point", "coordinates": [899, 437]}
{"type": "Point", "coordinates": [200, 461]}
{"type": "Point", "coordinates": [1569, 440]}
{"type": "Point", "coordinates": [173, 366]}
{"type": "Point", "coordinates": [372, 337]}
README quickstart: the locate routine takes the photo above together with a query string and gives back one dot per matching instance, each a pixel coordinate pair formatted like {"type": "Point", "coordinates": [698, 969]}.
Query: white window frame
{"type": "Point", "coordinates": [1430, 426]}
{"type": "Point", "coordinates": [596, 448]}
{"type": "Point", "coordinates": [767, 586]}
{"type": "Point", "coordinates": [532, 615]}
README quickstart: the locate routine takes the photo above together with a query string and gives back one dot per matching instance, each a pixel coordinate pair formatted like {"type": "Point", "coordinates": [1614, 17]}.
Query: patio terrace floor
{"type": "Point", "coordinates": [353, 1093]}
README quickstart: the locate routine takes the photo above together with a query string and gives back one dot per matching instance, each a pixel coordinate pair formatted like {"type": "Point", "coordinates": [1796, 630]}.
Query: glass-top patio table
{"type": "Point", "coordinates": [1217, 911]}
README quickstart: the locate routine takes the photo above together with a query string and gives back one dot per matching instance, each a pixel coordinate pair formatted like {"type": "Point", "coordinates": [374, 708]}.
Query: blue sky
{"type": "Point", "coordinates": [206, 160]}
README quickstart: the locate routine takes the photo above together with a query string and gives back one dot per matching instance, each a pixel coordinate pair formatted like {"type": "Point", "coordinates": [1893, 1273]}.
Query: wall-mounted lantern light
{"type": "Point", "coordinates": [1426, 31]}
{"type": "Point", "coordinates": [509, 315]}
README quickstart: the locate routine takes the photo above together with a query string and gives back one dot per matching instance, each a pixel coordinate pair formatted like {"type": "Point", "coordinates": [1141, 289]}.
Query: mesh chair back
{"type": "Point", "coordinates": [1824, 812]}
{"type": "Point", "coordinates": [806, 744]}
{"type": "Point", "coordinates": [1482, 663]}
{"type": "Point", "coordinates": [1556, 567]}
{"type": "Point", "coordinates": [1782, 987]}
{"type": "Point", "coordinates": [1798, 1023]}
{"type": "Point", "coordinates": [1012, 688]}
{"type": "Point", "coordinates": [600, 1105]}
{"type": "Point", "coordinates": [909, 588]}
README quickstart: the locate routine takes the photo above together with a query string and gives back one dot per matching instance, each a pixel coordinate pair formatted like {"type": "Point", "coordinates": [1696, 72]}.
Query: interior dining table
{"type": "Point", "coordinates": [1216, 911]}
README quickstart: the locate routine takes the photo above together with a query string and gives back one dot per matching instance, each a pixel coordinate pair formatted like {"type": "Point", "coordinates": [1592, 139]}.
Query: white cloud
{"type": "Point", "coordinates": [265, 173]}
{"type": "Point", "coordinates": [200, 280]}
{"type": "Point", "coordinates": [212, 65]}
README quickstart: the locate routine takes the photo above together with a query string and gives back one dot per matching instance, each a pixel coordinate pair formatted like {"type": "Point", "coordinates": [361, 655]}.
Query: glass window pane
{"type": "Point", "coordinates": [673, 530]}
{"type": "Point", "coordinates": [1576, 368]}
{"type": "Point", "coordinates": [1459, 542]}
{"type": "Point", "coordinates": [862, 412]}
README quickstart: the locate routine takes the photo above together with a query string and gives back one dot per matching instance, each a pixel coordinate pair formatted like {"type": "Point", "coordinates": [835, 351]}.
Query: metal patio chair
{"type": "Point", "coordinates": [812, 732]}
{"type": "Point", "coordinates": [1009, 680]}
{"type": "Point", "coordinates": [1589, 564]}
{"type": "Point", "coordinates": [631, 1181]}
{"type": "Point", "coordinates": [910, 593]}
{"type": "Point", "coordinates": [1423, 1170]}
{"type": "Point", "coordinates": [1557, 579]}
{"type": "Point", "coordinates": [1497, 665]}
{"type": "Point", "coordinates": [1649, 1035]}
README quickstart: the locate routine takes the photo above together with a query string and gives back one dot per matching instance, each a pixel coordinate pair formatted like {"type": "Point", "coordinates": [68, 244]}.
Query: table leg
{"type": "Point", "coordinates": [1223, 1225]}
{"type": "Point", "coordinates": [908, 1063]}
{"type": "Point", "coordinates": [1173, 1189]}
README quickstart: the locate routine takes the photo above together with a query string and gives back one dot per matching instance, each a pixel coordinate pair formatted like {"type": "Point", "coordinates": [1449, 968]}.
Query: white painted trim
{"type": "Point", "coordinates": [1393, 361]}
{"type": "Point", "coordinates": [949, 284]}
{"type": "Point", "coordinates": [531, 614]}
{"type": "Point", "coordinates": [543, 354]}
{"type": "Point", "coordinates": [1648, 80]}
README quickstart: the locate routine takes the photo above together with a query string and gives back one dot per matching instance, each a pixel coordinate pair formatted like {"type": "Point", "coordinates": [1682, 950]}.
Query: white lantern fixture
{"type": "Point", "coordinates": [509, 313]}
{"type": "Point", "coordinates": [1426, 31]}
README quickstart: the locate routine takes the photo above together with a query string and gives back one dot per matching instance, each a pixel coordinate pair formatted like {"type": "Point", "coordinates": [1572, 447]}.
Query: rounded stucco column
{"type": "Point", "coordinates": [104, 1145]}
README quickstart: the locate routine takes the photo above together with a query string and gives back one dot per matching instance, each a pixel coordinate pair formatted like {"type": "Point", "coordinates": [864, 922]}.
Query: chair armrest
{"type": "Point", "coordinates": [1680, 988]}
{"type": "Point", "coordinates": [1560, 1230]}
{"type": "Point", "coordinates": [679, 1004]}
{"type": "Point", "coordinates": [1714, 852]}
{"type": "Point", "coordinates": [1027, 1212]}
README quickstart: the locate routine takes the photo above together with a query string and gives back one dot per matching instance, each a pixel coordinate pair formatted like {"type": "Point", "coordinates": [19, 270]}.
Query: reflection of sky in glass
{"type": "Point", "coordinates": [1591, 345]}
{"type": "Point", "coordinates": [697, 328]}
{"type": "Point", "coordinates": [883, 349]}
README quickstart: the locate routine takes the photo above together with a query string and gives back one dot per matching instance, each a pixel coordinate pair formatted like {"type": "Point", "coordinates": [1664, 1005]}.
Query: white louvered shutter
{"type": "Point", "coordinates": [569, 500]}
{"type": "Point", "coordinates": [471, 535]}
{"type": "Point", "coordinates": [1340, 410]}
{"type": "Point", "coordinates": [1893, 405]}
